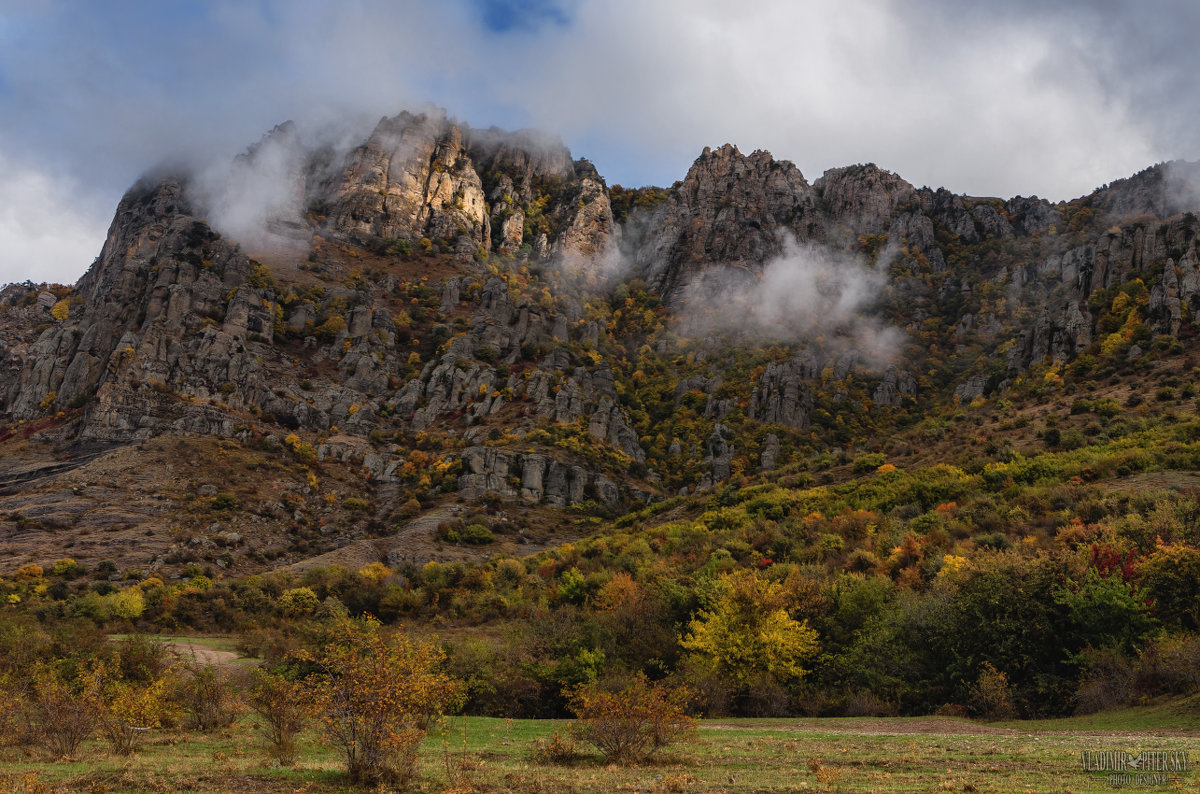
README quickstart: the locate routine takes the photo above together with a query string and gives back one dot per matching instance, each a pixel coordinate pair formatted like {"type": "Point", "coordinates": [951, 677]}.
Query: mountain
{"type": "Point", "coordinates": [341, 348]}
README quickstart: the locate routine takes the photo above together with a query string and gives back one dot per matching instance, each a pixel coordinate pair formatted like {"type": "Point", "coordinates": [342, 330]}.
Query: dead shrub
{"type": "Point", "coordinates": [953, 710]}
{"type": "Point", "coordinates": [1106, 683]}
{"type": "Point", "coordinates": [675, 783]}
{"type": "Point", "coordinates": [1170, 665]}
{"type": "Point", "coordinates": [631, 724]}
{"type": "Point", "coordinates": [57, 718]}
{"type": "Point", "coordinates": [868, 704]}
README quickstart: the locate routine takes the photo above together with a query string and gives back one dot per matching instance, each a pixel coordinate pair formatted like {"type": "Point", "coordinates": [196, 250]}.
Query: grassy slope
{"type": "Point", "coordinates": [482, 754]}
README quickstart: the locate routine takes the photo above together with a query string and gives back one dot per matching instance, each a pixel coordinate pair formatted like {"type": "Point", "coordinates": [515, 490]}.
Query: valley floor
{"type": "Point", "coordinates": [759, 755]}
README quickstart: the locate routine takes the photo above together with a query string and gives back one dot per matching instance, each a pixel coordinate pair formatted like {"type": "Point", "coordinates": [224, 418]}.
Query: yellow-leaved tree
{"type": "Point", "coordinates": [376, 693]}
{"type": "Point", "coordinates": [748, 632]}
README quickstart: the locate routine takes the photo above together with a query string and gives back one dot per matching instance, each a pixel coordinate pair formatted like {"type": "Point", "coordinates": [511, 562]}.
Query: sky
{"type": "Point", "coordinates": [985, 98]}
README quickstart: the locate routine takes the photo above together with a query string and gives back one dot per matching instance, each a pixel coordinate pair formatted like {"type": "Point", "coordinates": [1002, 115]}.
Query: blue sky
{"type": "Point", "coordinates": [981, 97]}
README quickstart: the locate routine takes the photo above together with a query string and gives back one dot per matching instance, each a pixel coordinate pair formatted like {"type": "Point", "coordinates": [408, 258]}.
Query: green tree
{"type": "Point", "coordinates": [1171, 580]}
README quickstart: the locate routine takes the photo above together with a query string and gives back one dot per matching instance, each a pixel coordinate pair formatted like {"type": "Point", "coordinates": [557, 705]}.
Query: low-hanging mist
{"type": "Point", "coordinates": [806, 294]}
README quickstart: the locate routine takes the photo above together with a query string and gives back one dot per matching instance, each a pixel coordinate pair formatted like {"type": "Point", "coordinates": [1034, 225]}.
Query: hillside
{"type": "Point", "coordinates": [463, 346]}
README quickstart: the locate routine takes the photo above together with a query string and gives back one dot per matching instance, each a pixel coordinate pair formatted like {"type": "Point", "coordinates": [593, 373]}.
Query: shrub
{"type": "Point", "coordinates": [285, 708]}
{"type": "Point", "coordinates": [328, 330]}
{"type": "Point", "coordinates": [476, 533]}
{"type": "Point", "coordinates": [868, 463]}
{"type": "Point", "coordinates": [126, 710]}
{"type": "Point", "coordinates": [1106, 683]}
{"type": "Point", "coordinates": [225, 501]}
{"type": "Point", "coordinates": [57, 718]}
{"type": "Point", "coordinates": [297, 602]}
{"type": "Point", "coordinates": [376, 694]}
{"type": "Point", "coordinates": [557, 749]}
{"type": "Point", "coordinates": [630, 725]}
{"type": "Point", "coordinates": [207, 695]}
{"type": "Point", "coordinates": [1171, 665]}
{"type": "Point", "coordinates": [991, 694]}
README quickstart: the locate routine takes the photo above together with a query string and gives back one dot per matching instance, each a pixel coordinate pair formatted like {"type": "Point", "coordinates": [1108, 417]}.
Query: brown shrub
{"type": "Point", "coordinates": [1106, 683]}
{"type": "Point", "coordinates": [56, 717]}
{"type": "Point", "coordinates": [630, 725]}
{"type": "Point", "coordinates": [557, 749]}
{"type": "Point", "coordinates": [207, 696]}
{"type": "Point", "coordinates": [376, 694]}
{"type": "Point", "coordinates": [1170, 665]}
{"type": "Point", "coordinates": [286, 709]}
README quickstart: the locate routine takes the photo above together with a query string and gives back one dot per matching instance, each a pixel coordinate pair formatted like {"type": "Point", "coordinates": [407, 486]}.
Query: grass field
{"type": "Point", "coordinates": [481, 754]}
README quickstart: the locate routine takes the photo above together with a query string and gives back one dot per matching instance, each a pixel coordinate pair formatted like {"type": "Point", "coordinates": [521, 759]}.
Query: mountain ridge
{"type": "Point", "coordinates": [460, 314]}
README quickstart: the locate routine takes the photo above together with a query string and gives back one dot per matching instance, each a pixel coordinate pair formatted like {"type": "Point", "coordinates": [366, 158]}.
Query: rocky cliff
{"type": "Point", "coordinates": [459, 312]}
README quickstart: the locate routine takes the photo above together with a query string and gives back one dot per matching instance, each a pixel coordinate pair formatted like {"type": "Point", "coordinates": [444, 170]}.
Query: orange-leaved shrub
{"type": "Point", "coordinates": [376, 693]}
{"type": "Point", "coordinates": [631, 724]}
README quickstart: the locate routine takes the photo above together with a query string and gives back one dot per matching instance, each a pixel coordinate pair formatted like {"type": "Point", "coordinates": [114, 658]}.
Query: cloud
{"type": "Point", "coordinates": [50, 230]}
{"type": "Point", "coordinates": [986, 99]}
{"type": "Point", "coordinates": [807, 294]}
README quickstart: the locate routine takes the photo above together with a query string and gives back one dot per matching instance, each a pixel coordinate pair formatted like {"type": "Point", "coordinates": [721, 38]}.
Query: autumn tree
{"type": "Point", "coordinates": [125, 709]}
{"type": "Point", "coordinates": [376, 694]}
{"type": "Point", "coordinates": [748, 631]}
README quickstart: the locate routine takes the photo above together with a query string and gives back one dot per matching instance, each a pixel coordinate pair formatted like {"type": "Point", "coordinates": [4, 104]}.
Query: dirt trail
{"type": "Point", "coordinates": [414, 539]}
{"type": "Point", "coordinates": [192, 651]}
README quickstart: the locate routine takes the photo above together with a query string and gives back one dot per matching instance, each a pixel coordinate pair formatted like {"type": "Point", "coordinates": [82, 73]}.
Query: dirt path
{"type": "Point", "coordinates": [191, 651]}
{"type": "Point", "coordinates": [413, 540]}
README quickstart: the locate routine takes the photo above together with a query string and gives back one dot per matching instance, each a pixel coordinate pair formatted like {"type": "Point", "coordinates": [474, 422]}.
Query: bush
{"type": "Point", "coordinates": [557, 749]}
{"type": "Point", "coordinates": [868, 463]}
{"type": "Point", "coordinates": [1106, 683]}
{"type": "Point", "coordinates": [285, 708]}
{"type": "Point", "coordinates": [376, 694]}
{"type": "Point", "coordinates": [56, 717]}
{"type": "Point", "coordinates": [225, 501]}
{"type": "Point", "coordinates": [126, 710]}
{"type": "Point", "coordinates": [207, 695]}
{"type": "Point", "coordinates": [991, 695]}
{"type": "Point", "coordinates": [476, 533]}
{"type": "Point", "coordinates": [630, 725]}
{"type": "Point", "coordinates": [297, 602]}
{"type": "Point", "coordinates": [1170, 665]}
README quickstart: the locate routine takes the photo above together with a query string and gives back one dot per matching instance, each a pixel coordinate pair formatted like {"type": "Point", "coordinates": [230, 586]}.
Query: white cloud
{"type": "Point", "coordinates": [806, 293]}
{"type": "Point", "coordinates": [49, 230]}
